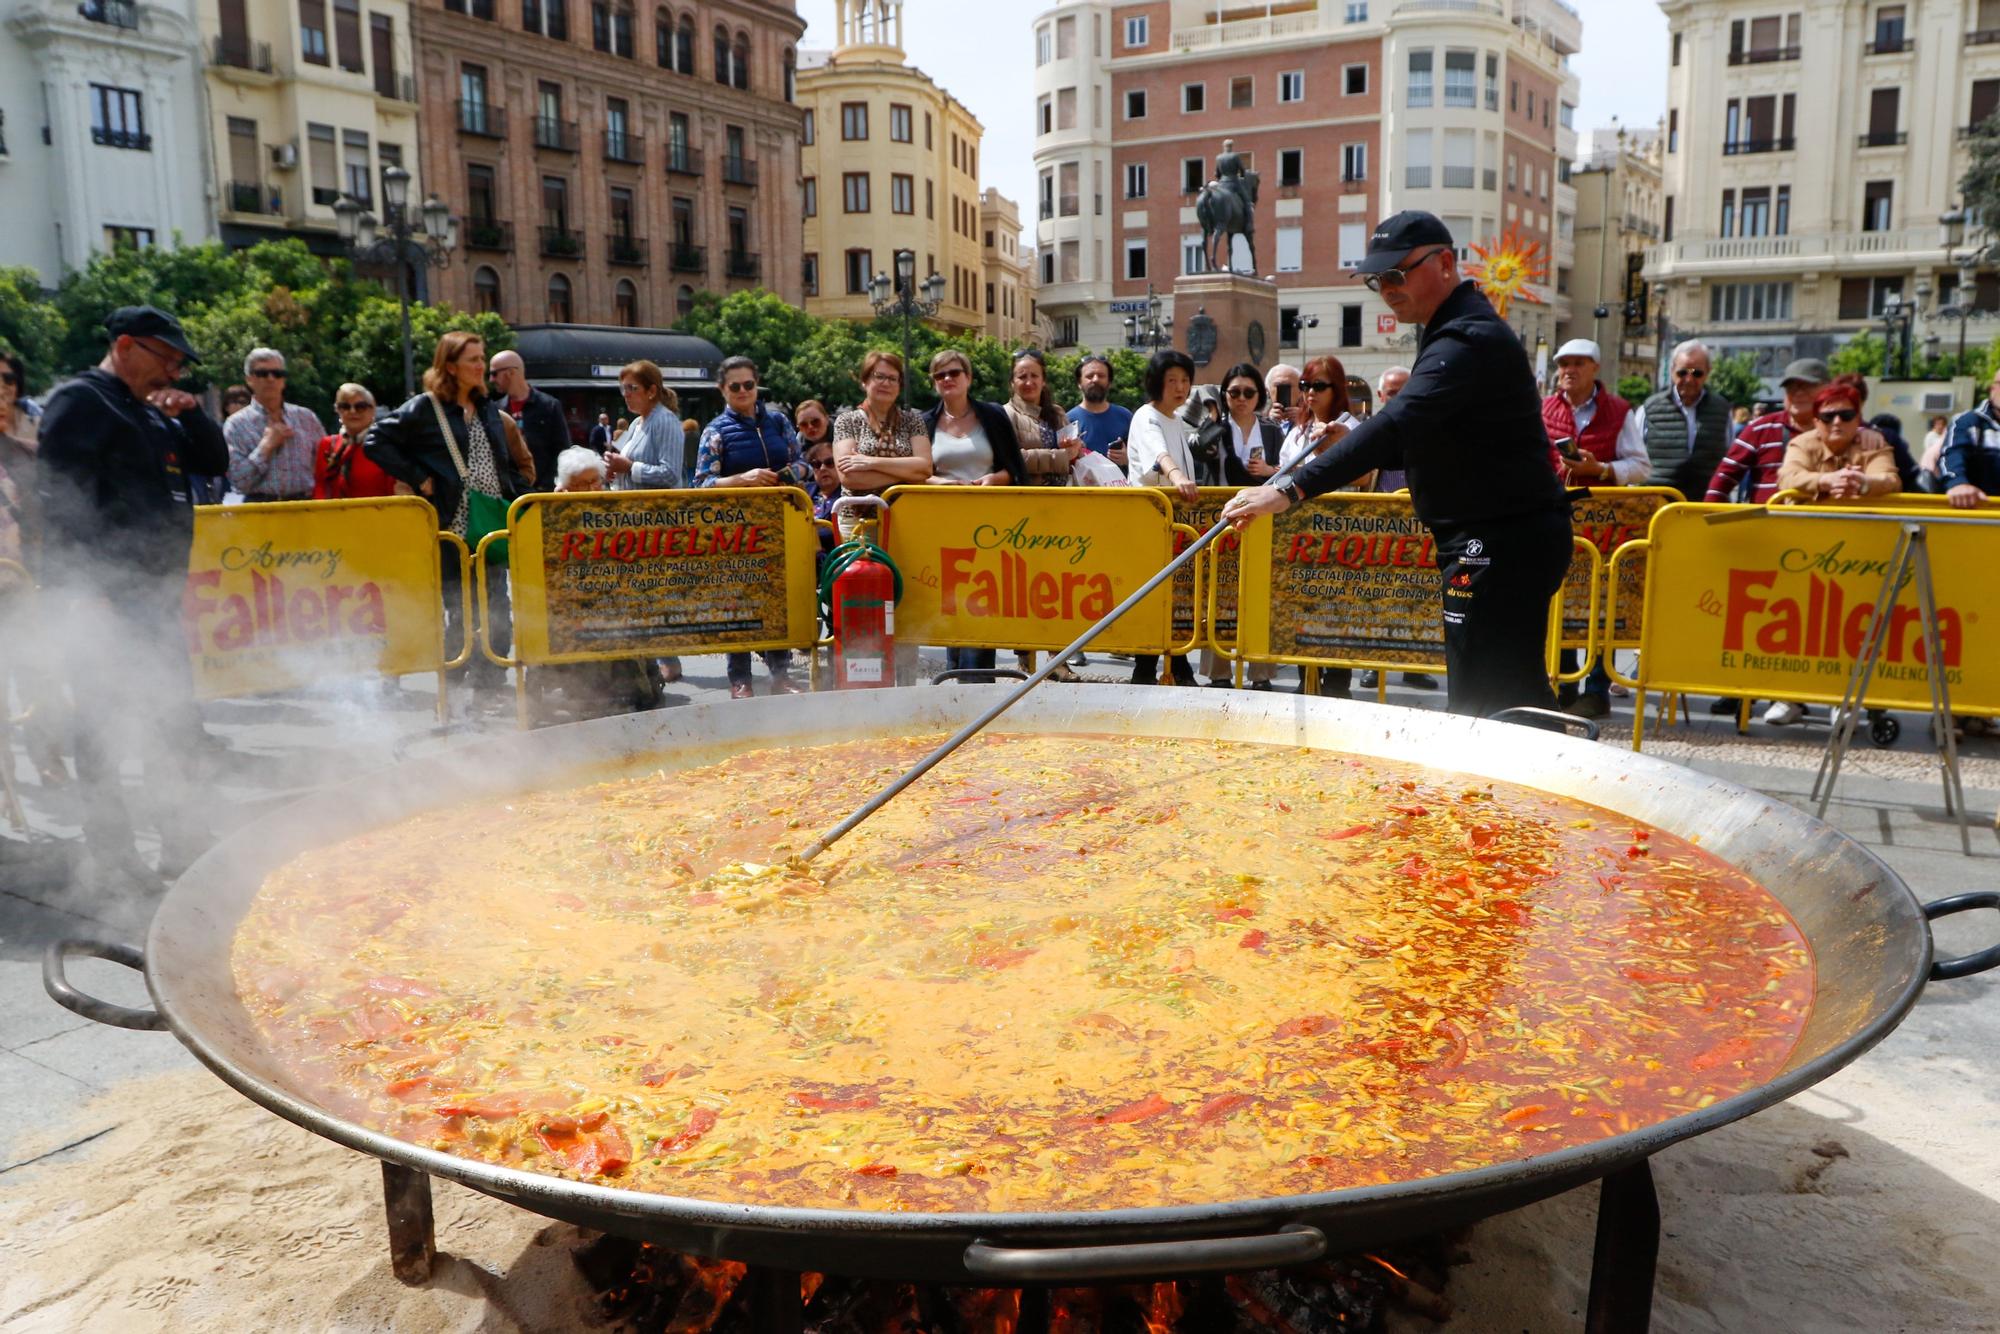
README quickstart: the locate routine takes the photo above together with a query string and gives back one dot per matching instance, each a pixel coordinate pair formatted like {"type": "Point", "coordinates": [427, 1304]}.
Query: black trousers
{"type": "Point", "coordinates": [1498, 578]}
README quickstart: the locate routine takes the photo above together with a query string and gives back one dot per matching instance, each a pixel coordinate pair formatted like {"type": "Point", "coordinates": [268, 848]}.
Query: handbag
{"type": "Point", "coordinates": [483, 513]}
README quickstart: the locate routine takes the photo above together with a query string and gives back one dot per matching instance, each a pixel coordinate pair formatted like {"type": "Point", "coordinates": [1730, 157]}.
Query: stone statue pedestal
{"type": "Point", "coordinates": [1221, 319]}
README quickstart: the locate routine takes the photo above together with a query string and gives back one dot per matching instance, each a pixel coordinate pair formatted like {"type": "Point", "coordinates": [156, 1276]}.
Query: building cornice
{"type": "Point", "coordinates": [163, 35]}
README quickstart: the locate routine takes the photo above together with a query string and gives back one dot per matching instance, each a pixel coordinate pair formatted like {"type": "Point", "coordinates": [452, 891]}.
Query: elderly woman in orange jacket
{"type": "Point", "coordinates": [1831, 461]}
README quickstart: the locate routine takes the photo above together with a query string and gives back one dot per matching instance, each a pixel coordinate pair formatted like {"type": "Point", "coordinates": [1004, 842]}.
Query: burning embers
{"type": "Point", "coordinates": [644, 1288]}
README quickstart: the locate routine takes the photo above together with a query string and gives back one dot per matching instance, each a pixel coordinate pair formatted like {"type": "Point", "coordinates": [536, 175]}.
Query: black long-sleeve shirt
{"type": "Point", "coordinates": [113, 478]}
{"type": "Point", "coordinates": [1467, 427]}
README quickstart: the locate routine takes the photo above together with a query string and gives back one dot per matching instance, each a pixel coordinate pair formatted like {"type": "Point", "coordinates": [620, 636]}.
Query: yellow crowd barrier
{"type": "Point", "coordinates": [285, 595]}
{"type": "Point", "coordinates": [1608, 520]}
{"type": "Point", "coordinates": [1776, 607]}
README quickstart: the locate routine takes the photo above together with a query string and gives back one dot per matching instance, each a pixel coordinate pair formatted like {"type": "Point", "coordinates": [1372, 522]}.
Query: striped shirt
{"type": "Point", "coordinates": [1758, 451]}
{"type": "Point", "coordinates": [288, 472]}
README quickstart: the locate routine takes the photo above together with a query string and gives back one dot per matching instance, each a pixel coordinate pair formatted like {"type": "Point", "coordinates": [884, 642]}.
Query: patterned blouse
{"type": "Point", "coordinates": [906, 426]}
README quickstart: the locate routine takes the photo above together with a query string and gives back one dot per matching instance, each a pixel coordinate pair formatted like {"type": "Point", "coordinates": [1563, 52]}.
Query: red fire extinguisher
{"type": "Point", "coordinates": [859, 589]}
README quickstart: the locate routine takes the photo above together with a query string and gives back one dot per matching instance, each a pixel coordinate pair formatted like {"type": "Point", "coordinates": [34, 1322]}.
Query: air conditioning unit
{"type": "Point", "coordinates": [284, 156]}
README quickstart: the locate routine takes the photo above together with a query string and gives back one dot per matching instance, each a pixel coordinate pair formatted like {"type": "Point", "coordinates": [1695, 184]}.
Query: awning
{"type": "Point", "coordinates": [588, 356]}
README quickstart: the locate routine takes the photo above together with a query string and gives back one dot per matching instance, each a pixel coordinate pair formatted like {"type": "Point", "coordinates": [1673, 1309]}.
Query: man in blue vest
{"type": "Point", "coordinates": [1686, 427]}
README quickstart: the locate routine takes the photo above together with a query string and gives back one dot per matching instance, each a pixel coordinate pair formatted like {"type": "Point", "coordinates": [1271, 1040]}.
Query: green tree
{"type": "Point", "coordinates": [758, 324]}
{"type": "Point", "coordinates": [32, 325]}
{"type": "Point", "coordinates": [1979, 188]}
{"type": "Point", "coordinates": [1635, 389]}
{"type": "Point", "coordinates": [1859, 355]}
{"type": "Point", "coordinates": [1737, 380]}
{"type": "Point", "coordinates": [178, 279]}
{"type": "Point", "coordinates": [370, 349]}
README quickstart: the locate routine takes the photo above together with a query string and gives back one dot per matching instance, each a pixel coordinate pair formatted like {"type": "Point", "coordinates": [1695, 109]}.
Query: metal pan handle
{"type": "Point", "coordinates": [99, 1011]}
{"type": "Point", "coordinates": [1533, 717]}
{"type": "Point", "coordinates": [1946, 969]}
{"type": "Point", "coordinates": [1295, 1244]}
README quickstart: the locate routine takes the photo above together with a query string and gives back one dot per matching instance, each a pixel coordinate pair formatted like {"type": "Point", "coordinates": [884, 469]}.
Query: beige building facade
{"type": "Point", "coordinates": [1348, 112]}
{"type": "Point", "coordinates": [890, 162]}
{"type": "Point", "coordinates": [1619, 198]}
{"type": "Point", "coordinates": [1812, 149]}
{"type": "Point", "coordinates": [307, 101]}
{"type": "Point", "coordinates": [1009, 274]}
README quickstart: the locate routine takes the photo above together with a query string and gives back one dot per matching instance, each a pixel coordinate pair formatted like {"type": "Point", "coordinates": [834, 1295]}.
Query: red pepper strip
{"type": "Point", "coordinates": [1253, 940]}
{"type": "Point", "coordinates": [1309, 1026]}
{"type": "Point", "coordinates": [1410, 810]}
{"type": "Point", "coordinates": [1454, 1056]}
{"type": "Point", "coordinates": [569, 900]}
{"type": "Point", "coordinates": [1514, 911]}
{"type": "Point", "coordinates": [699, 1123]}
{"type": "Point", "coordinates": [1145, 1109]}
{"type": "Point", "coordinates": [1727, 1052]}
{"type": "Point", "coordinates": [1222, 1106]}
{"type": "Point", "coordinates": [1648, 977]}
{"type": "Point", "coordinates": [588, 1147]}
{"type": "Point", "coordinates": [875, 1170]}
{"type": "Point", "coordinates": [1223, 914]}
{"type": "Point", "coordinates": [406, 1089]}
{"type": "Point", "coordinates": [1480, 835]}
{"type": "Point", "coordinates": [813, 1102]}
{"type": "Point", "coordinates": [1523, 1113]}
{"type": "Point", "coordinates": [1352, 831]}
{"type": "Point", "coordinates": [1003, 958]}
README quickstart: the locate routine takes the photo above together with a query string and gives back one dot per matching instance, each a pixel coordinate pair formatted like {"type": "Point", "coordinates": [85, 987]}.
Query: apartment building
{"type": "Point", "coordinates": [890, 162]}
{"type": "Point", "coordinates": [308, 100]}
{"type": "Point", "coordinates": [102, 141]}
{"type": "Point", "coordinates": [570, 135]}
{"type": "Point", "coordinates": [1009, 271]}
{"type": "Point", "coordinates": [1811, 152]}
{"type": "Point", "coordinates": [1348, 110]}
{"type": "Point", "coordinates": [1619, 203]}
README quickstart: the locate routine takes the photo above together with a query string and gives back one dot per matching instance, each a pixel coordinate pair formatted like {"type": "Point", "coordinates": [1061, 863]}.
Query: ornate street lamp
{"type": "Point", "coordinates": [426, 239]}
{"type": "Point", "coordinates": [1151, 330]}
{"type": "Point", "coordinates": [905, 297]}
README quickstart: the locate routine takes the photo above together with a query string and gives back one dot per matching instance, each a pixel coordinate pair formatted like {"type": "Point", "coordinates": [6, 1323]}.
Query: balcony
{"type": "Point", "coordinates": [1457, 178]}
{"type": "Point", "coordinates": [395, 87]}
{"type": "Point", "coordinates": [687, 258]}
{"type": "Point", "coordinates": [744, 264]}
{"type": "Point", "coordinates": [1983, 37]}
{"type": "Point", "coordinates": [1071, 204]}
{"type": "Point", "coordinates": [1769, 55]}
{"type": "Point", "coordinates": [116, 13]}
{"type": "Point", "coordinates": [110, 138]}
{"type": "Point", "coordinates": [1864, 251]}
{"type": "Point", "coordinates": [488, 122]}
{"type": "Point", "coordinates": [1893, 47]}
{"type": "Point", "coordinates": [1638, 226]}
{"type": "Point", "coordinates": [489, 234]}
{"type": "Point", "coordinates": [254, 197]}
{"type": "Point", "coordinates": [682, 160]}
{"type": "Point", "coordinates": [739, 170]}
{"type": "Point", "coordinates": [1048, 210]}
{"type": "Point", "coordinates": [1742, 146]}
{"type": "Point", "coordinates": [620, 248]}
{"type": "Point", "coordinates": [561, 243]}
{"type": "Point", "coordinates": [241, 53]}
{"type": "Point", "coordinates": [620, 146]}
{"type": "Point", "coordinates": [556, 135]}
{"type": "Point", "coordinates": [1885, 139]}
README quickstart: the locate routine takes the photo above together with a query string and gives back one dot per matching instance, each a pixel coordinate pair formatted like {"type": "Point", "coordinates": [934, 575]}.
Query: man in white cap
{"type": "Point", "coordinates": [1605, 445]}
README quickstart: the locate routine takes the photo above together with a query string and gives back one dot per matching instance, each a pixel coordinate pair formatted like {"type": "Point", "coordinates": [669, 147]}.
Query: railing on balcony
{"type": "Point", "coordinates": [117, 13]}
{"type": "Point", "coordinates": [1912, 241]}
{"type": "Point", "coordinates": [110, 138]}
{"type": "Point", "coordinates": [1742, 146]}
{"type": "Point", "coordinates": [1983, 37]}
{"type": "Point", "coordinates": [1458, 178]}
{"type": "Point", "coordinates": [1489, 178]}
{"type": "Point", "coordinates": [621, 146]}
{"type": "Point", "coordinates": [1768, 55]}
{"type": "Point", "coordinates": [1641, 226]}
{"type": "Point", "coordinates": [1891, 48]}
{"type": "Point", "coordinates": [486, 234]}
{"type": "Point", "coordinates": [254, 197]}
{"type": "Point", "coordinates": [744, 263]}
{"type": "Point", "coordinates": [623, 249]}
{"type": "Point", "coordinates": [396, 87]}
{"type": "Point", "coordinates": [1885, 138]}
{"type": "Point", "coordinates": [682, 160]}
{"type": "Point", "coordinates": [239, 53]}
{"type": "Point", "coordinates": [1048, 210]}
{"type": "Point", "coordinates": [688, 258]}
{"type": "Point", "coordinates": [559, 135]}
{"type": "Point", "coordinates": [561, 242]}
{"type": "Point", "coordinates": [739, 170]}
{"type": "Point", "coordinates": [483, 119]}
{"type": "Point", "coordinates": [1070, 205]}
{"type": "Point", "coordinates": [1416, 178]}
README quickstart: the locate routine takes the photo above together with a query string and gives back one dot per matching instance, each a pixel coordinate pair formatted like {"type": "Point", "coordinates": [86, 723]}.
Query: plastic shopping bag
{"type": "Point", "coordinates": [1096, 470]}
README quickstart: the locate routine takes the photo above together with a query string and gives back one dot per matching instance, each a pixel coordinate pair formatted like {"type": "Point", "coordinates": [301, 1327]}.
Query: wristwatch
{"type": "Point", "coordinates": [1290, 491]}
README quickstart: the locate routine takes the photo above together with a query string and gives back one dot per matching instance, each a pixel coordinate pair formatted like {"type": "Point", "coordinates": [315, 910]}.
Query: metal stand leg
{"type": "Point", "coordinates": [775, 1307]}
{"type": "Point", "coordinates": [1628, 1250]}
{"type": "Point", "coordinates": [412, 1239]}
{"type": "Point", "coordinates": [1936, 671]}
{"type": "Point", "coordinates": [1864, 667]}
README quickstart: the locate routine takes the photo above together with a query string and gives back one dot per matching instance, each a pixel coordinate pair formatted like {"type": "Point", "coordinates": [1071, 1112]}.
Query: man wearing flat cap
{"type": "Point", "coordinates": [119, 444]}
{"type": "Point", "coordinates": [1467, 429]}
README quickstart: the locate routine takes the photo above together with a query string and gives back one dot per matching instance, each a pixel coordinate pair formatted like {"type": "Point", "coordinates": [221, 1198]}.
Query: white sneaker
{"type": "Point", "coordinates": [1839, 716]}
{"type": "Point", "coordinates": [1784, 713]}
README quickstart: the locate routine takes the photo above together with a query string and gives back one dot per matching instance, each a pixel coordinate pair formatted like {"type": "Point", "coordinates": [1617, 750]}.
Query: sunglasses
{"type": "Point", "coordinates": [952, 373]}
{"type": "Point", "coordinates": [1315, 386]}
{"type": "Point", "coordinates": [1242, 393]}
{"type": "Point", "coordinates": [352, 406]}
{"type": "Point", "coordinates": [1690, 375]}
{"type": "Point", "coordinates": [740, 387]}
{"type": "Point", "coordinates": [1840, 415]}
{"type": "Point", "coordinates": [1396, 277]}
{"type": "Point", "coordinates": [826, 462]}
{"type": "Point", "coordinates": [267, 373]}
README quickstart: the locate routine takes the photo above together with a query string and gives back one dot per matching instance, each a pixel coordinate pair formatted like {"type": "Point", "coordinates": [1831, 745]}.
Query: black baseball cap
{"type": "Point", "coordinates": [150, 322]}
{"type": "Point", "coordinates": [1397, 236]}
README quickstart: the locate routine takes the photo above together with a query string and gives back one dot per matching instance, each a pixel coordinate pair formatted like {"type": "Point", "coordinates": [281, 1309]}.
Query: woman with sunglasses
{"type": "Point", "coordinates": [342, 469]}
{"type": "Point", "coordinates": [1468, 430]}
{"type": "Point", "coordinates": [1242, 447]}
{"type": "Point", "coordinates": [1831, 461]}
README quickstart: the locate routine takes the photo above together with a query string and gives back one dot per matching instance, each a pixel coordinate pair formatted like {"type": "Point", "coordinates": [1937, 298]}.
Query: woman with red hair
{"type": "Point", "coordinates": [1832, 461]}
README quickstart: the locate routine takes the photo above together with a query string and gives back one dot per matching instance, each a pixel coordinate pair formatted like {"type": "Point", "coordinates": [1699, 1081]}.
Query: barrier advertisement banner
{"type": "Point", "coordinates": [284, 595]}
{"type": "Point", "coordinates": [1778, 607]}
{"type": "Point", "coordinates": [1345, 580]}
{"type": "Point", "coordinates": [1607, 519]}
{"type": "Point", "coordinates": [1028, 567]}
{"type": "Point", "coordinates": [1218, 569]}
{"type": "Point", "coordinates": [621, 574]}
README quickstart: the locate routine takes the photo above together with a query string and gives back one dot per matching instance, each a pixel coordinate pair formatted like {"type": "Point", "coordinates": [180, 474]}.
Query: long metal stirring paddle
{"type": "Point", "coordinates": [977, 725]}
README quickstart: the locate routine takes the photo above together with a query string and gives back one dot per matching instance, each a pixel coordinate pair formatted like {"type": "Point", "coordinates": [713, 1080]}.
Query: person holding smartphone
{"type": "Point", "coordinates": [1281, 386]}
{"type": "Point", "coordinates": [1103, 425]}
{"type": "Point", "coordinates": [1468, 430]}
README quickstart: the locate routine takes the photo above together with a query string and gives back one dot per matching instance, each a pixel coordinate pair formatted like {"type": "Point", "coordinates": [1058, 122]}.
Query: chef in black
{"type": "Point", "coordinates": [1468, 430]}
